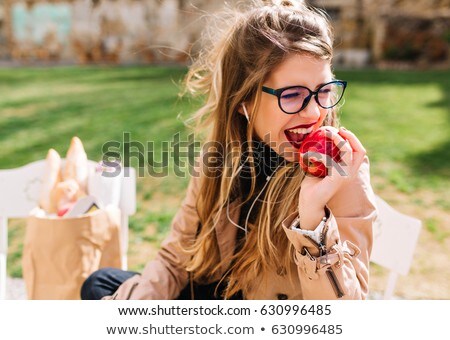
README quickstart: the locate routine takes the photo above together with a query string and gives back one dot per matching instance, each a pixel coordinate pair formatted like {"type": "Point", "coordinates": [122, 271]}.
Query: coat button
{"type": "Point", "coordinates": [282, 297]}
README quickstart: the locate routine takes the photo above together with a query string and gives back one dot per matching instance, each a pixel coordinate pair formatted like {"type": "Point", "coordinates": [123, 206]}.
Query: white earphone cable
{"type": "Point", "coordinates": [245, 228]}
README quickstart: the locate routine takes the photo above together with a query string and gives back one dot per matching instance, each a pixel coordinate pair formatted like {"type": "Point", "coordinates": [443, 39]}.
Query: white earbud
{"type": "Point", "coordinates": [245, 112]}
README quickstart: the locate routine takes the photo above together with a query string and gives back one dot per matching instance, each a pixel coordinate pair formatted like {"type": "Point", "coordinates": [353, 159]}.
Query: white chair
{"type": "Point", "coordinates": [19, 194]}
{"type": "Point", "coordinates": [395, 239]}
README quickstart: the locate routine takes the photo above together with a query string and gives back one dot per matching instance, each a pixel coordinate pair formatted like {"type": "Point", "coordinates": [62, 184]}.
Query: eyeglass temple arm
{"type": "Point", "coordinates": [269, 90]}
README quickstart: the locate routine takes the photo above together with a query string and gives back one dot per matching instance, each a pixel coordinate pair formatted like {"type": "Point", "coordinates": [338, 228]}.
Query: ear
{"type": "Point", "coordinates": [52, 177]}
{"type": "Point", "coordinates": [76, 166]}
{"type": "Point", "coordinates": [240, 110]}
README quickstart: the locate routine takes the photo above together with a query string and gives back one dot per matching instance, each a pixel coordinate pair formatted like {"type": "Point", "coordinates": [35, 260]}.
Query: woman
{"type": "Point", "coordinates": [252, 224]}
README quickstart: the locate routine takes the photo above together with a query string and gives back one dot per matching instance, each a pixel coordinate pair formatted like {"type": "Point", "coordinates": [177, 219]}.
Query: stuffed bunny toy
{"type": "Point", "coordinates": [63, 186]}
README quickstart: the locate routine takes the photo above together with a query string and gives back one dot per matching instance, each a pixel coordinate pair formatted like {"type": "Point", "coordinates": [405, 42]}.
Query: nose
{"type": "Point", "coordinates": [312, 110]}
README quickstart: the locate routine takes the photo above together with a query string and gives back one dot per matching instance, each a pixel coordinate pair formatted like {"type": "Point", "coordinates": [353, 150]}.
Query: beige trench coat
{"type": "Point", "coordinates": [340, 270]}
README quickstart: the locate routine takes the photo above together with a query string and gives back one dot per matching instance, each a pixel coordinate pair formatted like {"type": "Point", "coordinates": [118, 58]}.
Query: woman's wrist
{"type": "Point", "coordinates": [310, 218]}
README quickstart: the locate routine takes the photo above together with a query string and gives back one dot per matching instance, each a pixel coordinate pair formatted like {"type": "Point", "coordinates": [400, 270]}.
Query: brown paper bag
{"type": "Point", "coordinates": [60, 253]}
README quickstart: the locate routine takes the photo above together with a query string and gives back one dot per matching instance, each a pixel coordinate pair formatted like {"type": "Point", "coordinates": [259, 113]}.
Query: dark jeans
{"type": "Point", "coordinates": [105, 282]}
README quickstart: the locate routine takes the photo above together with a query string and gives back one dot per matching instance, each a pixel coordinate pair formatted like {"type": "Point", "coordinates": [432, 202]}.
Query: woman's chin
{"type": "Point", "coordinates": [292, 157]}
{"type": "Point", "coordinates": [290, 154]}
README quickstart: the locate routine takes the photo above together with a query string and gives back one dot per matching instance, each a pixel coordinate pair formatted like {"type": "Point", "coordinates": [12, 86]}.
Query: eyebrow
{"type": "Point", "coordinates": [319, 85]}
{"type": "Point", "coordinates": [322, 84]}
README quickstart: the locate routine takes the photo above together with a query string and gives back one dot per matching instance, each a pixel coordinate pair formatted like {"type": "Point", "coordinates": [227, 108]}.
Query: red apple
{"type": "Point", "coordinates": [318, 142]}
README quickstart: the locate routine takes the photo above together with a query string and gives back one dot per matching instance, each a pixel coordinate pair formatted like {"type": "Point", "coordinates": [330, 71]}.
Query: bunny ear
{"type": "Point", "coordinates": [76, 166]}
{"type": "Point", "coordinates": [51, 178]}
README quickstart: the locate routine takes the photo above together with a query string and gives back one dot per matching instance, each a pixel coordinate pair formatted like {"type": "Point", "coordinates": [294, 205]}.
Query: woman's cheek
{"type": "Point", "coordinates": [323, 116]}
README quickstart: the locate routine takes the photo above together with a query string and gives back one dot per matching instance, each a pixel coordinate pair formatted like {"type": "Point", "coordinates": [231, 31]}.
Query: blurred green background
{"type": "Point", "coordinates": [402, 118]}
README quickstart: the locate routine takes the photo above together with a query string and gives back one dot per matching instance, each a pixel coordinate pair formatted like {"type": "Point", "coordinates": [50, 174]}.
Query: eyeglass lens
{"type": "Point", "coordinates": [292, 99]}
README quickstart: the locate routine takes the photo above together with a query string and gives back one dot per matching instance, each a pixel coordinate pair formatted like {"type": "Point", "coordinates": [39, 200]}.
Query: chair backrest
{"type": "Point", "coordinates": [20, 189]}
{"type": "Point", "coordinates": [395, 240]}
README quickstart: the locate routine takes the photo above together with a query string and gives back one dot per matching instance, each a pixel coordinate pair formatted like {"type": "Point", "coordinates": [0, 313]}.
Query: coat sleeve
{"type": "Point", "coordinates": [165, 276]}
{"type": "Point", "coordinates": [338, 265]}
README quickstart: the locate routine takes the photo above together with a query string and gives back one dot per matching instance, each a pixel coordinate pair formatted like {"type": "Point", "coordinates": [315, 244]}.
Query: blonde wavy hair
{"type": "Point", "coordinates": [244, 47]}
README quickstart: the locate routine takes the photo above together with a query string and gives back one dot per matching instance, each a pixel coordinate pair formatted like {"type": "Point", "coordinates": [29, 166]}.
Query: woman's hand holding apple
{"type": "Point", "coordinates": [340, 167]}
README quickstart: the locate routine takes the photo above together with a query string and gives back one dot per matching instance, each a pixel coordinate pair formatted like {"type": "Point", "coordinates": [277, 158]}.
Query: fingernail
{"type": "Point", "coordinates": [343, 128]}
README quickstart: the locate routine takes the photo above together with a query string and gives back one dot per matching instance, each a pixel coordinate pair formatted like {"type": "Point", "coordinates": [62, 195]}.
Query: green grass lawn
{"type": "Point", "coordinates": [402, 118]}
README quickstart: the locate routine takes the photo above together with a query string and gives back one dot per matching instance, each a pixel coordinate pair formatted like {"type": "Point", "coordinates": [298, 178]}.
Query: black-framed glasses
{"type": "Point", "coordinates": [293, 99]}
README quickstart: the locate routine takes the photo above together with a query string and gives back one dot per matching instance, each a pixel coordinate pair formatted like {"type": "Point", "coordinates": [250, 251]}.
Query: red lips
{"type": "Point", "coordinates": [304, 126]}
{"type": "Point", "coordinates": [296, 138]}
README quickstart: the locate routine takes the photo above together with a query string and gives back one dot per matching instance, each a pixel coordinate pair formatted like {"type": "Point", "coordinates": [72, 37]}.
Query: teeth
{"type": "Point", "coordinates": [302, 131]}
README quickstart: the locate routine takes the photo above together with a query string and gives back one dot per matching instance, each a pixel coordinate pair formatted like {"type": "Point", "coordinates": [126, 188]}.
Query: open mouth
{"type": "Point", "coordinates": [296, 135]}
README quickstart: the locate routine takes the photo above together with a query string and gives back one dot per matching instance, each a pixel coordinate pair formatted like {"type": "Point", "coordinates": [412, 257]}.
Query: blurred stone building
{"type": "Point", "coordinates": [125, 31]}
{"type": "Point", "coordinates": [381, 31]}
{"type": "Point", "coordinates": [142, 31]}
